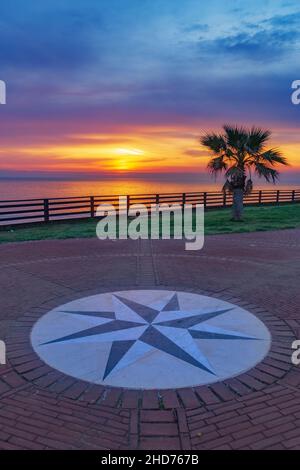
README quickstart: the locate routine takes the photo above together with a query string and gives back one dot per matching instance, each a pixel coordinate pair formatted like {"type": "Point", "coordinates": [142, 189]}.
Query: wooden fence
{"type": "Point", "coordinates": [26, 211]}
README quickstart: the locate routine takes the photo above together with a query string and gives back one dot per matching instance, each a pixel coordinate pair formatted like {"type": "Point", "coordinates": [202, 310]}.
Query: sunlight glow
{"type": "Point", "coordinates": [145, 149]}
{"type": "Point", "coordinates": [127, 151]}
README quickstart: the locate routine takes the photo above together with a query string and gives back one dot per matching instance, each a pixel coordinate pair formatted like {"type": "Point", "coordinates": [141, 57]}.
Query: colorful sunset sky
{"type": "Point", "coordinates": [108, 87]}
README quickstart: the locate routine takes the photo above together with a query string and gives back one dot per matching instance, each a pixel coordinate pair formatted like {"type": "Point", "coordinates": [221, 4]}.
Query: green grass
{"type": "Point", "coordinates": [216, 221]}
{"type": "Point", "coordinates": [255, 219]}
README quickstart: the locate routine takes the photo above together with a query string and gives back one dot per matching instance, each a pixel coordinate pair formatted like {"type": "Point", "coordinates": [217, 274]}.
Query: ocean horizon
{"type": "Point", "coordinates": [26, 188]}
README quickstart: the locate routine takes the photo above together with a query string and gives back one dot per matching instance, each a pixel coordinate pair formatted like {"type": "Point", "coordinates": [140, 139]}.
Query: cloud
{"type": "Point", "coordinates": [262, 45]}
{"type": "Point", "coordinates": [196, 153]}
{"type": "Point", "coordinates": [196, 28]}
{"type": "Point", "coordinates": [97, 139]}
{"type": "Point", "coordinates": [99, 67]}
{"type": "Point", "coordinates": [288, 21]}
{"type": "Point", "coordinates": [266, 40]}
{"type": "Point", "coordinates": [48, 38]}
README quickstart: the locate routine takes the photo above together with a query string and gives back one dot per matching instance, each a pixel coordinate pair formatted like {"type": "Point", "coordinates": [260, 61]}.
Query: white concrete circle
{"type": "Point", "coordinates": [150, 339]}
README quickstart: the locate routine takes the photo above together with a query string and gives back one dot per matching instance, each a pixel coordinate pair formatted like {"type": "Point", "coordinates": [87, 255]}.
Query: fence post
{"type": "Point", "coordinates": [224, 199]}
{"type": "Point", "coordinates": [293, 195]}
{"type": "Point", "coordinates": [46, 210]}
{"type": "Point", "coordinates": [205, 200]}
{"type": "Point", "coordinates": [259, 196]}
{"type": "Point", "coordinates": [92, 205]}
{"type": "Point", "coordinates": [127, 204]}
{"type": "Point", "coordinates": [157, 199]}
{"type": "Point", "coordinates": [278, 195]}
{"type": "Point", "coordinates": [183, 199]}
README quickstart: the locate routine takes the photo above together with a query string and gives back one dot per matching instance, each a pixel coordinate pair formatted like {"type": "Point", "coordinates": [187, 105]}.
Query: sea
{"type": "Point", "coordinates": [20, 188]}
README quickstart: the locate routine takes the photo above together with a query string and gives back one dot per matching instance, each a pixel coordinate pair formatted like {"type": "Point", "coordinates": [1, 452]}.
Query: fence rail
{"type": "Point", "coordinates": [20, 211]}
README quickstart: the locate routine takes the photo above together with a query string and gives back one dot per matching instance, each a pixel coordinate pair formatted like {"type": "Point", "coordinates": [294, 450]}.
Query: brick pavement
{"type": "Point", "coordinates": [40, 408]}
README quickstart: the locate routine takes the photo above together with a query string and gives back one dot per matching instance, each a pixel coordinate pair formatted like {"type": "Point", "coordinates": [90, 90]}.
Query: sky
{"type": "Point", "coordinates": [117, 87]}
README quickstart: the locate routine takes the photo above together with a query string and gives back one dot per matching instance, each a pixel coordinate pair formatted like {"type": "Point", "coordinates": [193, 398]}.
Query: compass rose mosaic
{"type": "Point", "coordinates": [150, 339]}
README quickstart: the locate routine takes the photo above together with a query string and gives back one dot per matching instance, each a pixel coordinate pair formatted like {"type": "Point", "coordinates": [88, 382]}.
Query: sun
{"type": "Point", "coordinates": [122, 164]}
{"type": "Point", "coordinates": [126, 158]}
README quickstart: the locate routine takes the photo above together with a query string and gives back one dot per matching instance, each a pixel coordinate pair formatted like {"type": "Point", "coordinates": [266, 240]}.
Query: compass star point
{"type": "Point", "coordinates": [179, 337]}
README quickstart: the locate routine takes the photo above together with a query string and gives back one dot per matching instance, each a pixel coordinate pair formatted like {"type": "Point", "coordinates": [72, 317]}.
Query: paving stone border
{"type": "Point", "coordinates": [25, 368]}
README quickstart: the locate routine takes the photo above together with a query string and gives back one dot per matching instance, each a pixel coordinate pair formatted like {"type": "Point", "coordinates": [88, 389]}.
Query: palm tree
{"type": "Point", "coordinates": [236, 152]}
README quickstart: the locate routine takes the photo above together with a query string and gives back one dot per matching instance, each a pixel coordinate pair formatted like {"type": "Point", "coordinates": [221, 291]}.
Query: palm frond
{"type": "Point", "coordinates": [239, 149]}
{"type": "Point", "coordinates": [217, 165]}
{"type": "Point", "coordinates": [214, 142]}
{"type": "Point", "coordinates": [266, 172]}
{"type": "Point", "coordinates": [236, 137]}
{"type": "Point", "coordinates": [272, 156]}
{"type": "Point", "coordinates": [257, 139]}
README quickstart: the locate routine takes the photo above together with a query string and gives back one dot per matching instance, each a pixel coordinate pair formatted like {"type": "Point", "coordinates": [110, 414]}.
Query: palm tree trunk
{"type": "Point", "coordinates": [238, 204]}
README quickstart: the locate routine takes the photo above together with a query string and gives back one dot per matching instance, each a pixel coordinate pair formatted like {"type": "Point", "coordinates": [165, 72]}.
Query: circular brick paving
{"type": "Point", "coordinates": [32, 368]}
{"type": "Point", "coordinates": [42, 407]}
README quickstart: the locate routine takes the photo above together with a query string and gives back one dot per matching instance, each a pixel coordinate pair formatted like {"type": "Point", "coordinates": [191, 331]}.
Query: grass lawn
{"type": "Point", "coordinates": [216, 221]}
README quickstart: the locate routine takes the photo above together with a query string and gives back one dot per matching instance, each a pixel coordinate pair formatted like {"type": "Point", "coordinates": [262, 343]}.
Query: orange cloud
{"type": "Point", "coordinates": [143, 149]}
